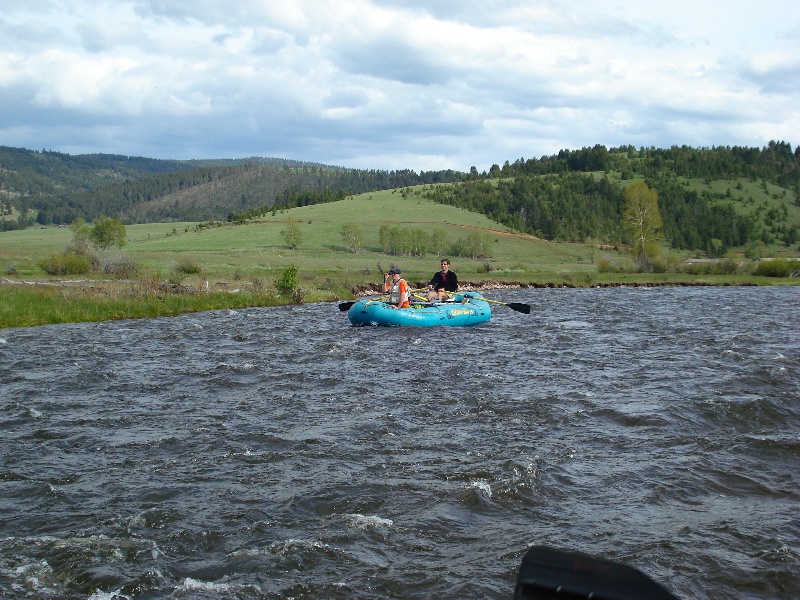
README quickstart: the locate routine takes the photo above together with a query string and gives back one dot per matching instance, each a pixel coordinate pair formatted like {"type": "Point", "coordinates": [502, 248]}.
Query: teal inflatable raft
{"type": "Point", "coordinates": [466, 310]}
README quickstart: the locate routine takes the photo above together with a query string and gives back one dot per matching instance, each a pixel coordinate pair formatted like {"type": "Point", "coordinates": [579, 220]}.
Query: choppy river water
{"type": "Point", "coordinates": [280, 452]}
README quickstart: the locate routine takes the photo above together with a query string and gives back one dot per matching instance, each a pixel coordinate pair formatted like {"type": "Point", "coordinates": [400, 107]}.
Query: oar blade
{"type": "Point", "coordinates": [519, 307]}
{"type": "Point", "coordinates": [344, 306]}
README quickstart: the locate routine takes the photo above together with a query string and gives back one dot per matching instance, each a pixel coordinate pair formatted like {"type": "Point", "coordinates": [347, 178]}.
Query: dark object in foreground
{"type": "Point", "coordinates": [550, 574]}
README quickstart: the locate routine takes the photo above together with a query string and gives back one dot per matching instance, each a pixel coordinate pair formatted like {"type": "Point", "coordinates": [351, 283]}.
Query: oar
{"type": "Point", "coordinates": [347, 305]}
{"type": "Point", "coordinates": [517, 306]}
{"type": "Point", "coordinates": [344, 306]}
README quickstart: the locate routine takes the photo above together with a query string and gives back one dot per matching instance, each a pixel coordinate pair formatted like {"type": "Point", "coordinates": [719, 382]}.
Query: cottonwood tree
{"type": "Point", "coordinates": [353, 236]}
{"type": "Point", "coordinates": [419, 241]}
{"type": "Point", "coordinates": [291, 233]}
{"type": "Point", "coordinates": [81, 231]}
{"type": "Point", "coordinates": [107, 232]}
{"type": "Point", "coordinates": [641, 219]}
{"type": "Point", "coordinates": [438, 243]}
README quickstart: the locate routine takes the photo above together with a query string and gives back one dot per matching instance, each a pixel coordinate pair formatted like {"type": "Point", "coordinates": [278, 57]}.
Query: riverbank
{"type": "Point", "coordinates": [34, 302]}
{"type": "Point", "coordinates": [166, 269]}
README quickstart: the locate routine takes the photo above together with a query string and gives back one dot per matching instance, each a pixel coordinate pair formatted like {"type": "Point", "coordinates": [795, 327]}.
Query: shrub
{"type": "Point", "coordinates": [604, 265]}
{"type": "Point", "coordinates": [120, 267]}
{"type": "Point", "coordinates": [81, 248]}
{"type": "Point", "coordinates": [778, 267]}
{"type": "Point", "coordinates": [755, 250]}
{"type": "Point", "coordinates": [175, 278]}
{"type": "Point", "coordinates": [150, 281]}
{"type": "Point", "coordinates": [728, 266]}
{"type": "Point", "coordinates": [188, 266]}
{"type": "Point", "coordinates": [674, 262]}
{"type": "Point", "coordinates": [65, 264]}
{"type": "Point", "coordinates": [288, 281]}
{"type": "Point", "coordinates": [698, 269]}
{"type": "Point", "coordinates": [298, 295]}
{"type": "Point", "coordinates": [659, 264]}
{"type": "Point", "coordinates": [620, 265]}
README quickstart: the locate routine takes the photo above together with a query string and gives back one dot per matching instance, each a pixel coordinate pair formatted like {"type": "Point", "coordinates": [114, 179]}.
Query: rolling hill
{"type": "Point", "coordinates": [58, 187]}
{"type": "Point", "coordinates": [711, 199]}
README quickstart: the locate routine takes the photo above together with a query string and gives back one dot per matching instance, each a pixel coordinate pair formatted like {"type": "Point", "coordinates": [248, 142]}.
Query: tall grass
{"type": "Point", "coordinates": [25, 306]}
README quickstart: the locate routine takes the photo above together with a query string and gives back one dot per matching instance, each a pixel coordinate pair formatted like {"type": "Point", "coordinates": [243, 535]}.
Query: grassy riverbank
{"type": "Point", "coordinates": [187, 267]}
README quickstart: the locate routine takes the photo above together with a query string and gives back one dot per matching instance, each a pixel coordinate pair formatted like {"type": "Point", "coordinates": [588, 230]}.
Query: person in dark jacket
{"type": "Point", "coordinates": [442, 282]}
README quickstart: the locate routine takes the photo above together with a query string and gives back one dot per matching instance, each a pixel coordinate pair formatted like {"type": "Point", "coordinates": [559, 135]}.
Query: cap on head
{"type": "Point", "coordinates": [393, 271]}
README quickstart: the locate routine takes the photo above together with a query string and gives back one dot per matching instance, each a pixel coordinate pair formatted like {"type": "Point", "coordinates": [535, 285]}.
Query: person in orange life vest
{"type": "Point", "coordinates": [396, 288]}
{"type": "Point", "coordinates": [442, 282]}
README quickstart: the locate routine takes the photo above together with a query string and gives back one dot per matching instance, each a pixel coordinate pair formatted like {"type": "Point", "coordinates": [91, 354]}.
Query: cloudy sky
{"type": "Point", "coordinates": [390, 84]}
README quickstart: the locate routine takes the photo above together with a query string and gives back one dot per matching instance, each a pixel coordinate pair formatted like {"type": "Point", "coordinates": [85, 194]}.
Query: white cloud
{"type": "Point", "coordinates": [394, 84]}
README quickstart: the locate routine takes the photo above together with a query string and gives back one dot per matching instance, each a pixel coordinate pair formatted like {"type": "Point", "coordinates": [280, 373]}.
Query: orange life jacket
{"type": "Point", "coordinates": [398, 294]}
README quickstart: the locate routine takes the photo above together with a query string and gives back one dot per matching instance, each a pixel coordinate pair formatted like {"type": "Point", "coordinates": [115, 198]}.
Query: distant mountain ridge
{"type": "Point", "coordinates": [60, 187]}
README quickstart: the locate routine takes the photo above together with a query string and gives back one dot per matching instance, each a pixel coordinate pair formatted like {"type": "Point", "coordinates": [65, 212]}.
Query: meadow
{"type": "Point", "coordinates": [184, 267]}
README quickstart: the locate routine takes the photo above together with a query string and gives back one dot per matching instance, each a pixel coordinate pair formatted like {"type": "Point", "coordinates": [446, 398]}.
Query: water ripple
{"type": "Point", "coordinates": [279, 452]}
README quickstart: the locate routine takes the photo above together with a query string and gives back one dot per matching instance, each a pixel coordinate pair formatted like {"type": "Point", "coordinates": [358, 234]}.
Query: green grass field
{"type": "Point", "coordinates": [250, 258]}
{"type": "Point", "coordinates": [259, 248]}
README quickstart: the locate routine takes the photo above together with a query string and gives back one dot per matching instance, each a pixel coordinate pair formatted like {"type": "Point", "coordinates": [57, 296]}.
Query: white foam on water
{"type": "Point", "coordinates": [196, 584]}
{"type": "Point", "coordinates": [190, 584]}
{"type": "Point", "coordinates": [368, 521]}
{"type": "Point", "coordinates": [248, 552]}
{"type": "Point", "coordinates": [31, 577]}
{"type": "Point", "coordinates": [483, 487]}
{"type": "Point", "coordinates": [100, 595]}
{"type": "Point", "coordinates": [34, 413]}
{"type": "Point", "coordinates": [293, 545]}
{"type": "Point", "coordinates": [243, 368]}
{"type": "Point", "coordinates": [575, 324]}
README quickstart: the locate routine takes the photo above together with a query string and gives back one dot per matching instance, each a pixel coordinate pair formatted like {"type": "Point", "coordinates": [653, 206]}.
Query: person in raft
{"type": "Point", "coordinates": [396, 288]}
{"type": "Point", "coordinates": [443, 281]}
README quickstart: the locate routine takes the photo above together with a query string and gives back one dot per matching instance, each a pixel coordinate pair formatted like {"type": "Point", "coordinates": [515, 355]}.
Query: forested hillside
{"type": "Point", "coordinates": [710, 199]}
{"type": "Point", "coordinates": [58, 188]}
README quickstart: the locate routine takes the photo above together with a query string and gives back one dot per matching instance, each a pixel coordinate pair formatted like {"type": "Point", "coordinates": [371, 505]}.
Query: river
{"type": "Point", "coordinates": [281, 453]}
